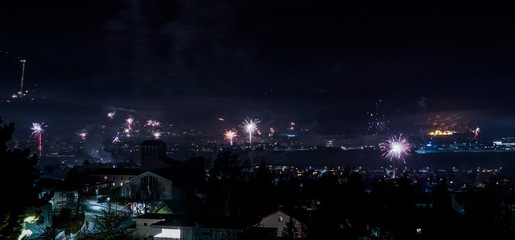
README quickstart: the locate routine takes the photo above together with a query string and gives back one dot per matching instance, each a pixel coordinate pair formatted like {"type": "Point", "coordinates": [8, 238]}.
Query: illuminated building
{"type": "Point", "coordinates": [441, 133]}
{"type": "Point", "coordinates": [329, 143]}
{"type": "Point", "coordinates": [292, 126]}
{"type": "Point", "coordinates": [507, 143]}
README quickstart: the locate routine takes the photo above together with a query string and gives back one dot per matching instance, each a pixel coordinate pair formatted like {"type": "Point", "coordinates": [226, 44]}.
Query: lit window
{"type": "Point", "coordinates": [279, 218]}
{"type": "Point", "coordinates": [105, 177]}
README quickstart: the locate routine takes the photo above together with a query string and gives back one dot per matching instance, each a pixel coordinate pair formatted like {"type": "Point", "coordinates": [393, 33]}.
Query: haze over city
{"type": "Point", "coordinates": [319, 64]}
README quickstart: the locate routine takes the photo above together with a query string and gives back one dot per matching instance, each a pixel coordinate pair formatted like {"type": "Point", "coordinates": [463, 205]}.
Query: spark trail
{"type": "Point", "coordinates": [37, 130]}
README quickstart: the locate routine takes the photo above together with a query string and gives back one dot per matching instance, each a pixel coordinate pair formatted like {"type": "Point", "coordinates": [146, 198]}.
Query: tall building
{"type": "Point", "coordinates": [152, 154]}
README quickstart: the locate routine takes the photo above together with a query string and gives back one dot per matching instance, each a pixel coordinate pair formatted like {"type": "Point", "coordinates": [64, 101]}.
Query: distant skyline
{"type": "Point", "coordinates": [321, 64]}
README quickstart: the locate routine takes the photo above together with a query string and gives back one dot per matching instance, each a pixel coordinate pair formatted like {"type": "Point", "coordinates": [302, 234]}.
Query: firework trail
{"type": "Point", "coordinates": [230, 134]}
{"type": "Point", "coordinates": [395, 148]}
{"type": "Point", "coordinates": [116, 139]}
{"type": "Point", "coordinates": [111, 114]}
{"type": "Point", "coordinates": [112, 108]}
{"type": "Point", "coordinates": [37, 130]}
{"type": "Point", "coordinates": [476, 133]}
{"type": "Point", "coordinates": [250, 126]}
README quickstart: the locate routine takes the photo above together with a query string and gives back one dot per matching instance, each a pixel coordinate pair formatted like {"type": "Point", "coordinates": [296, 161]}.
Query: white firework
{"type": "Point", "coordinates": [111, 115]}
{"type": "Point", "coordinates": [249, 126]}
{"type": "Point", "coordinates": [395, 149]}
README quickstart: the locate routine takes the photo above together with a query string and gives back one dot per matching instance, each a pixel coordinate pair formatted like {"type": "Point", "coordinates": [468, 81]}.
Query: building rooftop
{"type": "Point", "coordinates": [113, 171]}
{"type": "Point", "coordinates": [153, 142]}
{"type": "Point", "coordinates": [174, 220]}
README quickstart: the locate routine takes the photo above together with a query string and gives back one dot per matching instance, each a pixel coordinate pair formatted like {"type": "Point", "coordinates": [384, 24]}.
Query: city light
{"type": "Point", "coordinates": [441, 133]}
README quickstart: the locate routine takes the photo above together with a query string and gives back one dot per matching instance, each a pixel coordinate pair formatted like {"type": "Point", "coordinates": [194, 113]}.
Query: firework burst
{"type": "Point", "coordinates": [395, 148]}
{"type": "Point", "coordinates": [378, 123]}
{"type": "Point", "coordinates": [37, 130]}
{"type": "Point", "coordinates": [83, 136]}
{"type": "Point", "coordinates": [156, 135]}
{"type": "Point", "coordinates": [230, 135]}
{"type": "Point", "coordinates": [111, 115]}
{"type": "Point", "coordinates": [249, 126]}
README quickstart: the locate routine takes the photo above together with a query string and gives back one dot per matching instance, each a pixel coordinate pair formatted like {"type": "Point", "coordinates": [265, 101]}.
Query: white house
{"type": "Point", "coordinates": [143, 224]}
{"type": "Point", "coordinates": [189, 227]}
{"type": "Point", "coordinates": [278, 220]}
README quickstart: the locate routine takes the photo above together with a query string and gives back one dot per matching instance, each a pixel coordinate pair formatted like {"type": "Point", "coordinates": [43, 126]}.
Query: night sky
{"type": "Point", "coordinates": [322, 64]}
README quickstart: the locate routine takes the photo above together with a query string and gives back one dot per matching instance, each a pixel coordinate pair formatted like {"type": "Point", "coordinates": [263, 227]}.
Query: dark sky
{"type": "Point", "coordinates": [323, 64]}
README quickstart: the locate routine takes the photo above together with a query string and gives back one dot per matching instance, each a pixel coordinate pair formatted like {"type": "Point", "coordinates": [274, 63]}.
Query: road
{"type": "Point", "coordinates": [93, 208]}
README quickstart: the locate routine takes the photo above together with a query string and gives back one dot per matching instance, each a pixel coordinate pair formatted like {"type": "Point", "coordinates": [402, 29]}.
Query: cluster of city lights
{"type": "Point", "coordinates": [441, 133]}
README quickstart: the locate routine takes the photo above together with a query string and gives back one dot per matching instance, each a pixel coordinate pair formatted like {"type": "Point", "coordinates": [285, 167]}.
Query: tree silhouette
{"type": "Point", "coordinates": [75, 181]}
{"type": "Point", "coordinates": [266, 200]}
{"type": "Point", "coordinates": [290, 230]}
{"type": "Point", "coordinates": [108, 226]}
{"type": "Point", "coordinates": [222, 182]}
{"type": "Point", "coordinates": [16, 184]}
{"type": "Point", "coordinates": [225, 166]}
